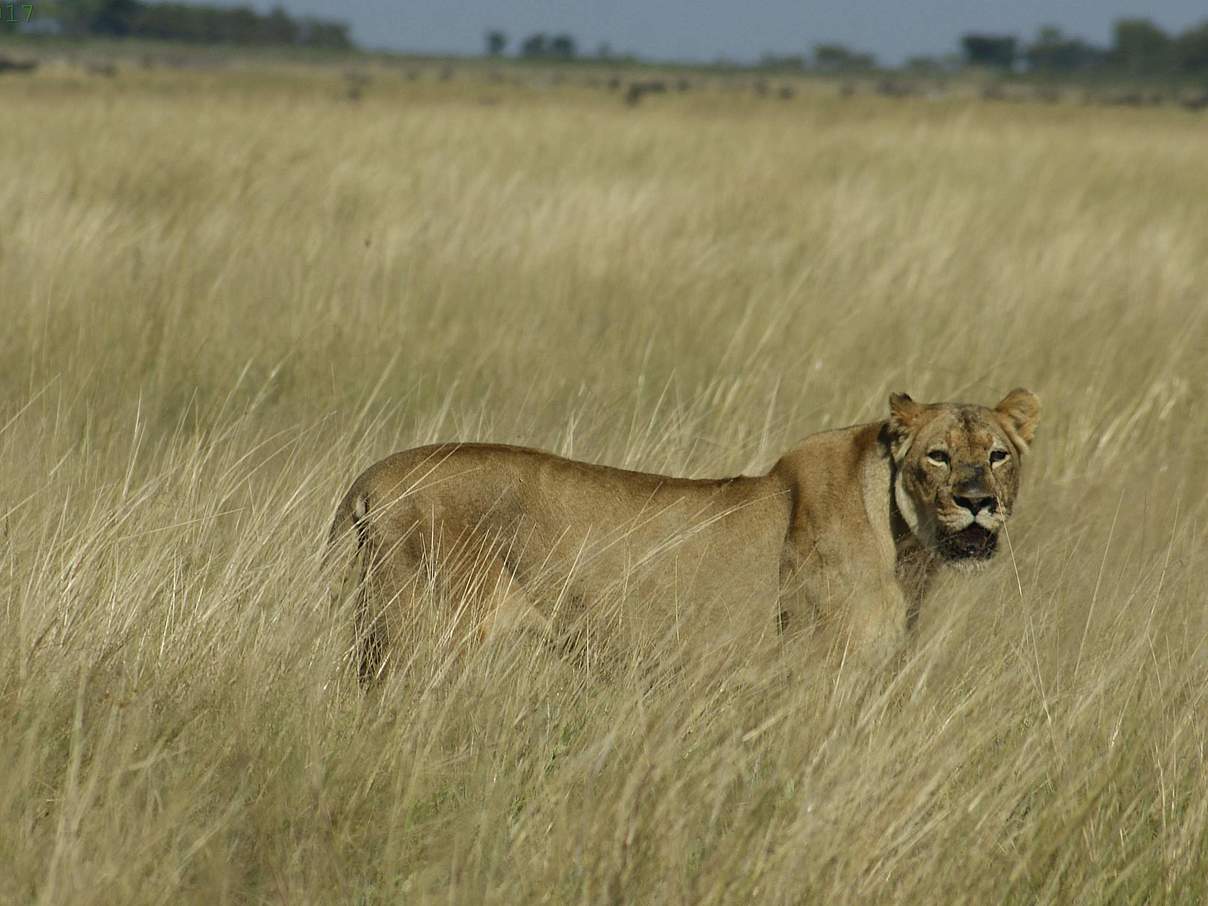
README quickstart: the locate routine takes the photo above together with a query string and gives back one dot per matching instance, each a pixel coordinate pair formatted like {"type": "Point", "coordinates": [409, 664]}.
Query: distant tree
{"type": "Point", "coordinates": [837, 58]}
{"type": "Point", "coordinates": [1052, 51]}
{"type": "Point", "coordinates": [1191, 49]}
{"type": "Point", "coordinates": [993, 51]}
{"type": "Point", "coordinates": [496, 42]}
{"type": "Point", "coordinates": [279, 28]}
{"type": "Point", "coordinates": [324, 34]}
{"type": "Point", "coordinates": [563, 47]}
{"type": "Point", "coordinates": [243, 26]}
{"type": "Point", "coordinates": [535, 45]}
{"type": "Point", "coordinates": [1140, 46]}
{"type": "Point", "coordinates": [604, 51]}
{"type": "Point", "coordinates": [539, 45]}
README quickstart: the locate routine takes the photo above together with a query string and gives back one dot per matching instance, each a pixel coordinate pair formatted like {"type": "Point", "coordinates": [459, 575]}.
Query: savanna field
{"type": "Point", "coordinates": [224, 292]}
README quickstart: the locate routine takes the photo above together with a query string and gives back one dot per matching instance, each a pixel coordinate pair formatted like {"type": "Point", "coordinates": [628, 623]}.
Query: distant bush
{"type": "Point", "coordinates": [496, 43]}
{"type": "Point", "coordinates": [991, 51]}
{"type": "Point", "coordinates": [837, 58]}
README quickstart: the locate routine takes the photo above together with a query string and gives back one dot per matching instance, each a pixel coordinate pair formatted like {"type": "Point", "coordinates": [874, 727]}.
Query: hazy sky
{"type": "Point", "coordinates": [739, 29]}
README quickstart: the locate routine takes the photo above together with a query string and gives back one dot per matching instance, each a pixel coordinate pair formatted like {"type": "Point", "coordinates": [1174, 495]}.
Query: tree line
{"type": "Point", "coordinates": [189, 22]}
{"type": "Point", "coordinates": [1139, 47]}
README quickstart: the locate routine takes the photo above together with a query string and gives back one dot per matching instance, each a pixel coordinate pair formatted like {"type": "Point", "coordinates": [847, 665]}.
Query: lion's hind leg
{"type": "Point", "coordinates": [422, 596]}
{"type": "Point", "coordinates": [488, 600]}
{"type": "Point", "coordinates": [370, 627]}
{"type": "Point", "coordinates": [390, 584]}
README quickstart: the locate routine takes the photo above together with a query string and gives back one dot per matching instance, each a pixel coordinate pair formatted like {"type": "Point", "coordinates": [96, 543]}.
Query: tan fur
{"type": "Point", "coordinates": [845, 531]}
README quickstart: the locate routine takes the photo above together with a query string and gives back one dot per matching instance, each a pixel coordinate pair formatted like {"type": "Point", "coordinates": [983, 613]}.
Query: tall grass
{"type": "Point", "coordinates": [222, 297]}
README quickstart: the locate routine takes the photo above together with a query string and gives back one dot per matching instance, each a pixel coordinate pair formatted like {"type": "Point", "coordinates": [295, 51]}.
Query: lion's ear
{"type": "Point", "coordinates": [1020, 412]}
{"type": "Point", "coordinates": [903, 419]}
{"type": "Point", "coordinates": [903, 412]}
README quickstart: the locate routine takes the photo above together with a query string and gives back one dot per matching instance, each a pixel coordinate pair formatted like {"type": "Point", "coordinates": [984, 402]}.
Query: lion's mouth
{"type": "Point", "coordinates": [973, 543]}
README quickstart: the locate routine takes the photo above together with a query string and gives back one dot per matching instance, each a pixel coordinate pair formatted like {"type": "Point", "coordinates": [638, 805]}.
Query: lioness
{"type": "Point", "coordinates": [847, 530]}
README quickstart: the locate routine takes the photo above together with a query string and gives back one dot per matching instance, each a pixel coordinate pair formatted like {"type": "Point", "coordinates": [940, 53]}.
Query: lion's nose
{"type": "Point", "coordinates": [976, 504]}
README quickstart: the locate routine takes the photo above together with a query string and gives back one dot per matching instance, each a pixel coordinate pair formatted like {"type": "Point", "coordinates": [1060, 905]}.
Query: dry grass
{"type": "Point", "coordinates": [223, 294]}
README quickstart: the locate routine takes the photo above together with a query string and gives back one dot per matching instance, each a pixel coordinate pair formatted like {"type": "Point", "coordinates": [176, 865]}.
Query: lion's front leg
{"type": "Point", "coordinates": [877, 620]}
{"type": "Point", "coordinates": [798, 611]}
{"type": "Point", "coordinates": [861, 613]}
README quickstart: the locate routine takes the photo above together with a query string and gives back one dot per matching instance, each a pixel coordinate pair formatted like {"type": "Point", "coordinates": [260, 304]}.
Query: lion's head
{"type": "Point", "coordinates": [957, 470]}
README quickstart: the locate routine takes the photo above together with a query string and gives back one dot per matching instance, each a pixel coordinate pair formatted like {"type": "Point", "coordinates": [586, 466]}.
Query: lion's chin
{"type": "Point", "coordinates": [968, 565]}
{"type": "Point", "coordinates": [969, 549]}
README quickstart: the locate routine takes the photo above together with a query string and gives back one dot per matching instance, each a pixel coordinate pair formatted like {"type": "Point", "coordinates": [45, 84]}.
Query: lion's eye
{"type": "Point", "coordinates": [939, 457]}
{"type": "Point", "coordinates": [997, 456]}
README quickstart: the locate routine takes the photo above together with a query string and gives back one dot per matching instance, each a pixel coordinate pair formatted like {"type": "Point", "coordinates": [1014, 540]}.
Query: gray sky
{"type": "Point", "coordinates": [737, 29]}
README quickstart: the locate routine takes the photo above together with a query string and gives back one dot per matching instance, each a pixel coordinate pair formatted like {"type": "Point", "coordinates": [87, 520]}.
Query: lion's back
{"type": "Point", "coordinates": [577, 525]}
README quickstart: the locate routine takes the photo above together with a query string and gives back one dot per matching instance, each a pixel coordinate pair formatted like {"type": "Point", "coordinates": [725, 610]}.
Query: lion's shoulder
{"type": "Point", "coordinates": [834, 458]}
